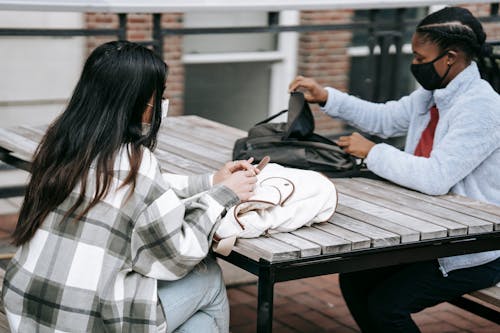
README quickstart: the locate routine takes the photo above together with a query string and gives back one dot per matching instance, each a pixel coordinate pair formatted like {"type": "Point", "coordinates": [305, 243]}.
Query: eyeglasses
{"type": "Point", "coordinates": [164, 107]}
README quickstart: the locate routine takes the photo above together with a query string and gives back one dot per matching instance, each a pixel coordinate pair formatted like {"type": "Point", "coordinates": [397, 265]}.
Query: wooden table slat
{"type": "Point", "coordinates": [357, 241]}
{"type": "Point", "coordinates": [307, 248]}
{"type": "Point", "coordinates": [171, 161]}
{"type": "Point", "coordinates": [198, 122]}
{"type": "Point", "coordinates": [400, 204]}
{"type": "Point", "coordinates": [406, 234]}
{"type": "Point", "coordinates": [426, 230]}
{"type": "Point", "coordinates": [378, 237]}
{"type": "Point", "coordinates": [185, 142]}
{"type": "Point", "coordinates": [267, 248]}
{"type": "Point", "coordinates": [329, 243]}
{"type": "Point", "coordinates": [440, 201]}
{"type": "Point", "coordinates": [492, 210]}
{"type": "Point", "coordinates": [219, 137]}
{"type": "Point", "coordinates": [190, 152]}
{"type": "Point", "coordinates": [205, 142]}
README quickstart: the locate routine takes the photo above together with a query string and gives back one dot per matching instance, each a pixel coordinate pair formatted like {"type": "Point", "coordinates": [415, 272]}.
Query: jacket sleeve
{"type": "Point", "coordinates": [382, 119]}
{"type": "Point", "coordinates": [470, 139]}
{"type": "Point", "coordinates": [172, 235]}
{"type": "Point", "coordinates": [187, 186]}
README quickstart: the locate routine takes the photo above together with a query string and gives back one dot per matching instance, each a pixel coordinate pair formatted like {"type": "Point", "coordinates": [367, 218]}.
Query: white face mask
{"type": "Point", "coordinates": [164, 108]}
{"type": "Point", "coordinates": [146, 127]}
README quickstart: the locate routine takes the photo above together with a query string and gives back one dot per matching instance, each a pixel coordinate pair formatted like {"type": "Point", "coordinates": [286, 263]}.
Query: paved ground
{"type": "Point", "coordinates": [314, 305]}
{"type": "Point", "coordinates": [311, 305]}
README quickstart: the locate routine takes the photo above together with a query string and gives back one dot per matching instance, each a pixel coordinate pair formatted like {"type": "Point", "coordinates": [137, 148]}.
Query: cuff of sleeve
{"type": "Point", "coordinates": [224, 196]}
{"type": "Point", "coordinates": [371, 158]}
{"type": "Point", "coordinates": [200, 183]}
{"type": "Point", "coordinates": [334, 101]}
{"type": "Point", "coordinates": [376, 156]}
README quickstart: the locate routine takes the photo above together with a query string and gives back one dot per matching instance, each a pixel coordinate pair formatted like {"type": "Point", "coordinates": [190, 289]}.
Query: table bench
{"type": "Point", "coordinates": [484, 303]}
{"type": "Point", "coordinates": [376, 224]}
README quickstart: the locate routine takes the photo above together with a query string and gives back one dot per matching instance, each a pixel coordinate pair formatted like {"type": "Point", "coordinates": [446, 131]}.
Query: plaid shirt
{"type": "Point", "coordinates": [99, 274]}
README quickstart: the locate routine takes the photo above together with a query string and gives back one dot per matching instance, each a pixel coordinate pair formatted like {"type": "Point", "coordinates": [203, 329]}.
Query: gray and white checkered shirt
{"type": "Point", "coordinates": [98, 274]}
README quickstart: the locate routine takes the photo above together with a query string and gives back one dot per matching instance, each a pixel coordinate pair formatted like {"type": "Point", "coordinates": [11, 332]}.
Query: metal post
{"type": "Point", "coordinates": [157, 35]}
{"type": "Point", "coordinates": [494, 9]}
{"type": "Point", "coordinates": [267, 276]}
{"type": "Point", "coordinates": [382, 86]}
{"type": "Point", "coordinates": [370, 78]}
{"type": "Point", "coordinates": [122, 33]}
{"type": "Point", "coordinates": [273, 18]}
{"type": "Point", "coordinates": [398, 61]}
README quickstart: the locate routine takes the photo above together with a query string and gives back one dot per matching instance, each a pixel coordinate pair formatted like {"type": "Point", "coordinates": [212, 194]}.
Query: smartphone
{"type": "Point", "coordinates": [263, 162]}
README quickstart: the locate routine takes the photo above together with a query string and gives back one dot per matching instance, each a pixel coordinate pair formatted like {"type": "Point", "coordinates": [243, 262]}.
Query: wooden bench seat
{"type": "Point", "coordinates": [489, 295]}
{"type": "Point", "coordinates": [484, 303]}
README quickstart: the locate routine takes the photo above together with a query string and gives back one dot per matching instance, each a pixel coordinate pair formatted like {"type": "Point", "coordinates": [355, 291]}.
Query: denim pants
{"type": "Point", "coordinates": [383, 299]}
{"type": "Point", "coordinates": [197, 302]}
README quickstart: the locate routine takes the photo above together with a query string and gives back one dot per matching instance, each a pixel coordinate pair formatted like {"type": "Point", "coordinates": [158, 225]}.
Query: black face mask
{"type": "Point", "coordinates": [426, 74]}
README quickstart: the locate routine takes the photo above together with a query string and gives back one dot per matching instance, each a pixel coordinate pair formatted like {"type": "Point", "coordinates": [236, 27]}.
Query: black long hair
{"type": "Point", "coordinates": [104, 113]}
{"type": "Point", "coordinates": [457, 28]}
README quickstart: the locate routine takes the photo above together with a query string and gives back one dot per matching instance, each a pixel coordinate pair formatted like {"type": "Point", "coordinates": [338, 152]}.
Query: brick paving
{"type": "Point", "coordinates": [315, 305]}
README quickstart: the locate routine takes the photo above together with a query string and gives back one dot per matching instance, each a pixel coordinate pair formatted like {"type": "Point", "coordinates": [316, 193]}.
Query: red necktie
{"type": "Point", "coordinates": [424, 146]}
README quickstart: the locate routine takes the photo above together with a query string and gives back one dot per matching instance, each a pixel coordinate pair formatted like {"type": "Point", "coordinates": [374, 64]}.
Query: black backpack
{"type": "Point", "coordinates": [294, 144]}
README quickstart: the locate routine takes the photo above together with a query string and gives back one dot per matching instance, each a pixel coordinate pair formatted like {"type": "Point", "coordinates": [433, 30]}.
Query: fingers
{"type": "Point", "coordinates": [251, 175]}
{"type": "Point", "coordinates": [242, 165]}
{"type": "Point", "coordinates": [356, 145]}
{"type": "Point", "coordinates": [248, 185]}
{"type": "Point", "coordinates": [301, 82]}
{"type": "Point", "coordinates": [343, 141]}
{"type": "Point", "coordinates": [295, 84]}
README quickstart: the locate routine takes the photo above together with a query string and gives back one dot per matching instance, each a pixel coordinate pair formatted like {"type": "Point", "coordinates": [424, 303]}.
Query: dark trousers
{"type": "Point", "coordinates": [383, 299]}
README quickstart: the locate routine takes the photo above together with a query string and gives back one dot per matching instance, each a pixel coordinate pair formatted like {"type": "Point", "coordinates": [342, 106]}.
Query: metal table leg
{"type": "Point", "coordinates": [265, 299]}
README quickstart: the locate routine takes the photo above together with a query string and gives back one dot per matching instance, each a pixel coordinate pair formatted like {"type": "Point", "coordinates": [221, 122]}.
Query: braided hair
{"type": "Point", "coordinates": [456, 28]}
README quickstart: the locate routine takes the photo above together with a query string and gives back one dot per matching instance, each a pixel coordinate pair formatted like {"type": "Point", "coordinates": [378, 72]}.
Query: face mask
{"type": "Point", "coordinates": [426, 74]}
{"type": "Point", "coordinates": [164, 108]}
{"type": "Point", "coordinates": [146, 127]}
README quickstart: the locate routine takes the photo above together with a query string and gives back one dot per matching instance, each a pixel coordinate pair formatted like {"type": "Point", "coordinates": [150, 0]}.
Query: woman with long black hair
{"type": "Point", "coordinates": [105, 242]}
{"type": "Point", "coordinates": [452, 128]}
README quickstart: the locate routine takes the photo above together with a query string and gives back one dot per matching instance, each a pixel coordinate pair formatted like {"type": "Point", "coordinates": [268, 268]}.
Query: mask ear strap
{"type": "Point", "coordinates": [445, 75]}
{"type": "Point", "coordinates": [440, 56]}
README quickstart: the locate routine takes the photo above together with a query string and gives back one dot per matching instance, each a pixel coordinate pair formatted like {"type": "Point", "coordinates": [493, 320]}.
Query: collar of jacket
{"type": "Point", "coordinates": [446, 97]}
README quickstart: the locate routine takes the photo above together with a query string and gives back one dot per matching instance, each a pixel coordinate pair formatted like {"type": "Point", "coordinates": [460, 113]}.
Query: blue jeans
{"type": "Point", "coordinates": [197, 302]}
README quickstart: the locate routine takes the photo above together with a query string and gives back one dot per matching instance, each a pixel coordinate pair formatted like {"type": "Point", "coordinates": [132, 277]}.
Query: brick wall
{"type": "Point", "coordinates": [140, 28]}
{"type": "Point", "coordinates": [172, 53]}
{"type": "Point", "coordinates": [323, 56]}
{"type": "Point", "coordinates": [100, 21]}
{"type": "Point", "coordinates": [492, 29]}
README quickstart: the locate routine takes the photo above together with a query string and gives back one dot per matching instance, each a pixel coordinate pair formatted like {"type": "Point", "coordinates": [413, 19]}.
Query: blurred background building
{"type": "Point", "coordinates": [234, 78]}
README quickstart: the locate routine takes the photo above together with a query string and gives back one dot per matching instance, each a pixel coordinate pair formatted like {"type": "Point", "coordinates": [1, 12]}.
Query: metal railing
{"type": "Point", "coordinates": [381, 80]}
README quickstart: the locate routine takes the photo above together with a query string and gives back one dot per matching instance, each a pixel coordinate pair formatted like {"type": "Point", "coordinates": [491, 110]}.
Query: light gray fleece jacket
{"type": "Point", "coordinates": [465, 157]}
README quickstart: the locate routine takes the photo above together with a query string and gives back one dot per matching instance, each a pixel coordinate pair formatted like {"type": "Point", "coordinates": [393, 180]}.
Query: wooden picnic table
{"type": "Point", "coordinates": [376, 224]}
